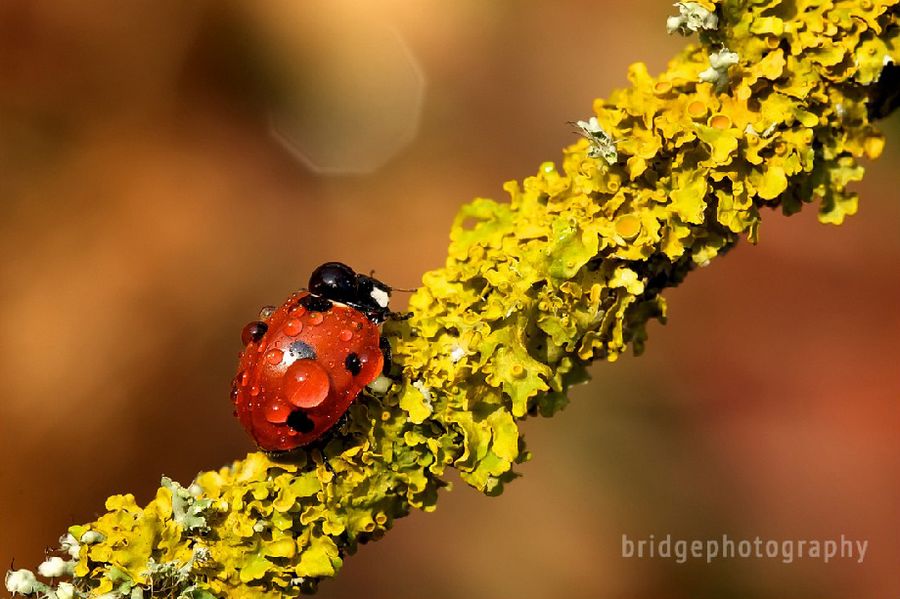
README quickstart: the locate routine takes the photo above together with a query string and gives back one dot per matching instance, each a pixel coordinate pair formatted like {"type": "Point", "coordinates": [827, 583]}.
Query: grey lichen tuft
{"type": "Point", "coordinates": [692, 18]}
{"type": "Point", "coordinates": [601, 143]}
{"type": "Point", "coordinates": [719, 63]}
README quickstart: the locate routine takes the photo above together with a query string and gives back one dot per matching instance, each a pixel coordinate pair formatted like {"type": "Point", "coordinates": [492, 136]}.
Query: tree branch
{"type": "Point", "coordinates": [772, 109]}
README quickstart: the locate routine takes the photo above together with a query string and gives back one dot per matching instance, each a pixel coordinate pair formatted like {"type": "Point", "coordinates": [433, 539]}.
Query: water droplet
{"type": "Point", "coordinates": [346, 335]}
{"type": "Point", "coordinates": [316, 318]}
{"type": "Point", "coordinates": [254, 390]}
{"type": "Point", "coordinates": [306, 384]}
{"type": "Point", "coordinates": [245, 378]}
{"type": "Point", "coordinates": [253, 332]}
{"type": "Point", "coordinates": [293, 327]}
{"type": "Point", "coordinates": [266, 312]}
{"type": "Point", "coordinates": [277, 412]}
{"type": "Point", "coordinates": [274, 356]}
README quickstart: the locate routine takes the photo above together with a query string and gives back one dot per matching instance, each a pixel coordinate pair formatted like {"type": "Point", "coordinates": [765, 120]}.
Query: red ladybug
{"type": "Point", "coordinates": [305, 362]}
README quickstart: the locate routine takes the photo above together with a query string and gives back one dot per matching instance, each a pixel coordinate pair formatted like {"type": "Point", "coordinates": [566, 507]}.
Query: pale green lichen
{"type": "Point", "coordinates": [693, 17]}
{"type": "Point", "coordinates": [601, 145]}
{"type": "Point", "coordinates": [568, 271]}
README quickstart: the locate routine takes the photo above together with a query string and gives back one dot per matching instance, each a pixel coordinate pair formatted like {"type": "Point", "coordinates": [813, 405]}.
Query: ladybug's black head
{"type": "Point", "coordinates": [335, 281]}
{"type": "Point", "coordinates": [338, 282]}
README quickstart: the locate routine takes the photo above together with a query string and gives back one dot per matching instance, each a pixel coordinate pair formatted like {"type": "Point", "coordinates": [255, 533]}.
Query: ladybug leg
{"type": "Point", "coordinates": [388, 370]}
{"type": "Point", "coordinates": [290, 456]}
{"type": "Point", "coordinates": [303, 453]}
{"type": "Point", "coordinates": [385, 347]}
{"type": "Point", "coordinates": [376, 315]}
{"type": "Point", "coordinates": [399, 315]}
{"type": "Point", "coordinates": [339, 425]}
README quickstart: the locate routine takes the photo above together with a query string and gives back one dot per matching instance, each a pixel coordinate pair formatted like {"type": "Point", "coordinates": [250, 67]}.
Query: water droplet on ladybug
{"type": "Point", "coordinates": [253, 332]}
{"type": "Point", "coordinates": [346, 335]}
{"type": "Point", "coordinates": [266, 312]}
{"type": "Point", "coordinates": [316, 318]}
{"type": "Point", "coordinates": [245, 378]}
{"type": "Point", "coordinates": [306, 384]}
{"type": "Point", "coordinates": [277, 412]}
{"type": "Point", "coordinates": [274, 356]}
{"type": "Point", "coordinates": [293, 327]}
{"type": "Point", "coordinates": [254, 390]}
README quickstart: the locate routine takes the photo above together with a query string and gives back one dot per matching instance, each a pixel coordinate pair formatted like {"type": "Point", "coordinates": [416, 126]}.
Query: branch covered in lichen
{"type": "Point", "coordinates": [771, 109]}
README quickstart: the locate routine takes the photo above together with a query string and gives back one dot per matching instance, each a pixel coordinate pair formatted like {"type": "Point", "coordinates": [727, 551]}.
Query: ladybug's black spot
{"type": "Point", "coordinates": [253, 332]}
{"type": "Point", "coordinates": [300, 422]}
{"type": "Point", "coordinates": [315, 303]}
{"type": "Point", "coordinates": [353, 364]}
{"type": "Point", "coordinates": [300, 350]}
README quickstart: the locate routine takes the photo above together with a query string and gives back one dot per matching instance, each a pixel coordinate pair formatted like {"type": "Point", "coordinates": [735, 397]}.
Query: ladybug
{"type": "Point", "coordinates": [306, 361]}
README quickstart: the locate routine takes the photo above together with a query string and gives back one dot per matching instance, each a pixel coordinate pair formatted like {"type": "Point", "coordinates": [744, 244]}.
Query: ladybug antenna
{"type": "Point", "coordinates": [372, 276]}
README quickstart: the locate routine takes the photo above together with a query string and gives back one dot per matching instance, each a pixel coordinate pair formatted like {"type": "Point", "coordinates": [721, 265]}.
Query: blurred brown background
{"type": "Point", "coordinates": [147, 213]}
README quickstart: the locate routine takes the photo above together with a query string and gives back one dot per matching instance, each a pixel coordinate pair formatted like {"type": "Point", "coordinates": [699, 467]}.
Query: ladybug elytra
{"type": "Point", "coordinates": [305, 362]}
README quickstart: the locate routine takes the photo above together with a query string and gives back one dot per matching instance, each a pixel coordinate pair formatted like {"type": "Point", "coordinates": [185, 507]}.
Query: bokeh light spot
{"type": "Point", "coordinates": [354, 95]}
